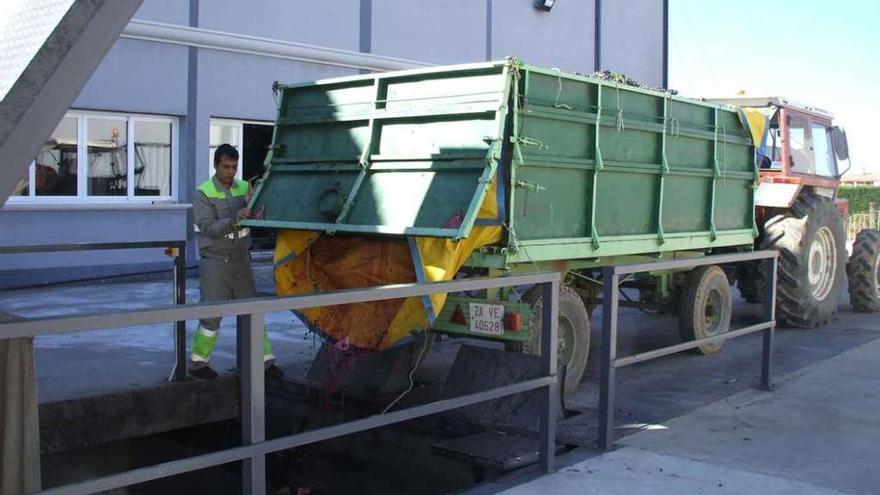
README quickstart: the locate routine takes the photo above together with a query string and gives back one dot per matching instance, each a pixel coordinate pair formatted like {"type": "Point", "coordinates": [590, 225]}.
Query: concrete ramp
{"type": "Point", "coordinates": [640, 472]}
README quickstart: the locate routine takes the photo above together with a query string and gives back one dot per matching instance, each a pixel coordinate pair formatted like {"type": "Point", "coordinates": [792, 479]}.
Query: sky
{"type": "Point", "coordinates": [824, 53]}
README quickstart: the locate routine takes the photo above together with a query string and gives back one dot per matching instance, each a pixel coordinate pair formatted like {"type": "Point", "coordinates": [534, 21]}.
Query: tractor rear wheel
{"type": "Point", "coordinates": [863, 270]}
{"type": "Point", "coordinates": [573, 333]}
{"type": "Point", "coordinates": [811, 241]}
{"type": "Point", "coordinates": [706, 307]}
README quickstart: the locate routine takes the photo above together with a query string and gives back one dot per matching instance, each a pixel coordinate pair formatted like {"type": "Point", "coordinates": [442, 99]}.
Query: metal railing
{"type": "Point", "coordinates": [176, 249]}
{"type": "Point", "coordinates": [610, 303]}
{"type": "Point", "coordinates": [860, 221]}
{"type": "Point", "coordinates": [250, 320]}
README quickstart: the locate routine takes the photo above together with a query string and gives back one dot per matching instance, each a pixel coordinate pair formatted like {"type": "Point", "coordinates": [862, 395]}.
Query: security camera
{"type": "Point", "coordinates": [544, 5]}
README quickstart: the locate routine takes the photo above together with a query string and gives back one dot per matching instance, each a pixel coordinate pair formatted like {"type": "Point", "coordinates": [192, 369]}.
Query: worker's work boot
{"type": "Point", "coordinates": [202, 371]}
{"type": "Point", "coordinates": [273, 372]}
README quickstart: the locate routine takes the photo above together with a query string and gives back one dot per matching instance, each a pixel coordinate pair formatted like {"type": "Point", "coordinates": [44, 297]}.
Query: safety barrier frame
{"type": "Point", "coordinates": [177, 250]}
{"type": "Point", "coordinates": [610, 303]}
{"type": "Point", "coordinates": [250, 324]}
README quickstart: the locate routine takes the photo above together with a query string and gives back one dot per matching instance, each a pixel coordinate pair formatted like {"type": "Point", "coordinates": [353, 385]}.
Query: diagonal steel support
{"type": "Point", "coordinates": [45, 86]}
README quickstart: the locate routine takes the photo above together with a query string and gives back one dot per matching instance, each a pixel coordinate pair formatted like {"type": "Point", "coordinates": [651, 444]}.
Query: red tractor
{"type": "Point", "coordinates": [798, 214]}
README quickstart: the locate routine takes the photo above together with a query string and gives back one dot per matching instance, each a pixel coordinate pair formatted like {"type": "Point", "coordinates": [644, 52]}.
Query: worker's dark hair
{"type": "Point", "coordinates": [225, 150]}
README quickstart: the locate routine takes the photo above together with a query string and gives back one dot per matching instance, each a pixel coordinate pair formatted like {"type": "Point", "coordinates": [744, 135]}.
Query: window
{"type": "Point", "coordinates": [152, 158]}
{"type": "Point", "coordinates": [108, 164]}
{"type": "Point", "coordinates": [127, 158]}
{"type": "Point", "coordinates": [55, 170]}
{"type": "Point", "coordinates": [799, 145]}
{"type": "Point", "coordinates": [822, 151]}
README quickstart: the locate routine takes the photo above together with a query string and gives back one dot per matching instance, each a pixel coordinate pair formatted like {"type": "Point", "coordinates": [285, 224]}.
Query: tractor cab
{"type": "Point", "coordinates": [795, 144]}
{"type": "Point", "coordinates": [798, 152]}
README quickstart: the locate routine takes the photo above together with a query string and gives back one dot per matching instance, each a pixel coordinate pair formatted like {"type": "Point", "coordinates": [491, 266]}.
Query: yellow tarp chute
{"type": "Point", "coordinates": [307, 262]}
{"type": "Point", "coordinates": [758, 121]}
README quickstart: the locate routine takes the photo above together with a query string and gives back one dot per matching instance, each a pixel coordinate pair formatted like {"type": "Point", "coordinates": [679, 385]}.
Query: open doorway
{"type": "Point", "coordinates": [256, 139]}
{"type": "Point", "coordinates": [252, 140]}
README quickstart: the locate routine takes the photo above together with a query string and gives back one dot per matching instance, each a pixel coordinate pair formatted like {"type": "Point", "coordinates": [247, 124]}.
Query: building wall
{"type": "Point", "coordinates": [435, 31]}
{"type": "Point", "coordinates": [562, 38]}
{"type": "Point", "coordinates": [195, 85]}
{"type": "Point", "coordinates": [632, 39]}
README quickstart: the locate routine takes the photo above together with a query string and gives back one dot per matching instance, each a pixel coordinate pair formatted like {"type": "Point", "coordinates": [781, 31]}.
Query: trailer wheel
{"type": "Point", "coordinates": [863, 270]}
{"type": "Point", "coordinates": [573, 329]}
{"type": "Point", "coordinates": [812, 257]}
{"type": "Point", "coordinates": [706, 307]}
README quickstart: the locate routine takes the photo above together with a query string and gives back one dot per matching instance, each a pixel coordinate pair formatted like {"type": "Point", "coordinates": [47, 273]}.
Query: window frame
{"type": "Point", "coordinates": [82, 167]}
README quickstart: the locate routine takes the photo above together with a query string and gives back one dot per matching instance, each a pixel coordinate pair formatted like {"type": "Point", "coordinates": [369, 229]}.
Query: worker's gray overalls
{"type": "Point", "coordinates": [225, 269]}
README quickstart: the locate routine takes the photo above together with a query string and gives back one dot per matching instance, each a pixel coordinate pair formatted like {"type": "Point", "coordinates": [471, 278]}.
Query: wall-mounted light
{"type": "Point", "coordinates": [544, 5]}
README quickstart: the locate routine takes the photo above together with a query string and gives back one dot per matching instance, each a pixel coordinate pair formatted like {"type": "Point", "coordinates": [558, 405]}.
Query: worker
{"type": "Point", "coordinates": [220, 203]}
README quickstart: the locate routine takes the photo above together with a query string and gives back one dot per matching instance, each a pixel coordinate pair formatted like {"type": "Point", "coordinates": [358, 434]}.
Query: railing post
{"type": "Point", "coordinates": [610, 282]}
{"type": "Point", "coordinates": [253, 400]}
{"type": "Point", "coordinates": [549, 349]}
{"type": "Point", "coordinates": [769, 267]}
{"type": "Point", "coordinates": [179, 371]}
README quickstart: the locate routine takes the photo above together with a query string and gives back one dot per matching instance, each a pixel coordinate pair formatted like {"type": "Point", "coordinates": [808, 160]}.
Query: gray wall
{"type": "Point", "coordinates": [196, 84]}
{"type": "Point", "coordinates": [80, 224]}
{"type": "Point", "coordinates": [562, 38]}
{"type": "Point", "coordinates": [330, 23]}
{"type": "Point", "coordinates": [632, 39]}
{"type": "Point", "coordinates": [156, 84]}
{"type": "Point", "coordinates": [435, 31]}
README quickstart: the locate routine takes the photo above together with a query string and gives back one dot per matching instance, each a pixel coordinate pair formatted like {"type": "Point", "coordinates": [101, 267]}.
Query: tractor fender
{"type": "Point", "coordinates": [776, 195]}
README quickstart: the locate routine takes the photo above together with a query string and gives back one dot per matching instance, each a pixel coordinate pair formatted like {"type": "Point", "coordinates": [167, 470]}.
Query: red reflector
{"type": "Point", "coordinates": [513, 322]}
{"type": "Point", "coordinates": [458, 316]}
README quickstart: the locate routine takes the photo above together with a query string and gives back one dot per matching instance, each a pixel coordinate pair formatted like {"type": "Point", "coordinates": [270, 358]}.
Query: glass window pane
{"type": "Point", "coordinates": [108, 166]}
{"type": "Point", "coordinates": [152, 159]}
{"type": "Point", "coordinates": [23, 186]}
{"type": "Point", "coordinates": [223, 133]}
{"type": "Point", "coordinates": [56, 167]}
{"type": "Point", "coordinates": [798, 147]}
{"type": "Point", "coordinates": [822, 151]}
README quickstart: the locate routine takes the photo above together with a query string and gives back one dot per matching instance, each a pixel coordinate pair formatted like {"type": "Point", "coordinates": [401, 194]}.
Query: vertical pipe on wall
{"type": "Point", "coordinates": [488, 30]}
{"type": "Point", "coordinates": [597, 41]}
{"type": "Point", "coordinates": [365, 40]}
{"type": "Point", "coordinates": [366, 27]}
{"type": "Point", "coordinates": [665, 44]}
{"type": "Point", "coordinates": [186, 174]}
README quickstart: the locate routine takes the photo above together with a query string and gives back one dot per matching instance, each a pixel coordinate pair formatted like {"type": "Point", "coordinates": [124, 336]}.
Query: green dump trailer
{"type": "Point", "coordinates": [583, 173]}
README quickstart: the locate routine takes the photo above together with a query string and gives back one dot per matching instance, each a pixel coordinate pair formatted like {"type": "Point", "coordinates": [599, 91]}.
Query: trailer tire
{"type": "Point", "coordinates": [574, 348]}
{"type": "Point", "coordinates": [706, 307]}
{"type": "Point", "coordinates": [863, 271]}
{"type": "Point", "coordinates": [812, 259]}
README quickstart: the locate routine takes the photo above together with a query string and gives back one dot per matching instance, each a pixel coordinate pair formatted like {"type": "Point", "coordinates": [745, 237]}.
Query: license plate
{"type": "Point", "coordinates": [486, 318]}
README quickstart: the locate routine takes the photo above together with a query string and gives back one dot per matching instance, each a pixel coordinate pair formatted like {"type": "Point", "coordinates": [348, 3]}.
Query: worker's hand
{"type": "Point", "coordinates": [244, 213]}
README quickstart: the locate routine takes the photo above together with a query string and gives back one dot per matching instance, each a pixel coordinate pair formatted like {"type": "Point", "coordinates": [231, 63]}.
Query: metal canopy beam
{"type": "Point", "coordinates": [41, 92]}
